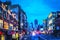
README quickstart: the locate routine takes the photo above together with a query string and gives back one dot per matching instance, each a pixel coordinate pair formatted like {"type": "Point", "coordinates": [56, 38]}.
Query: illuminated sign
{"type": "Point", "coordinates": [6, 25]}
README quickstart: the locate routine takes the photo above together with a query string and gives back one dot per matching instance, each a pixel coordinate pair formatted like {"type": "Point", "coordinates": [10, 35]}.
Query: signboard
{"type": "Point", "coordinates": [5, 25]}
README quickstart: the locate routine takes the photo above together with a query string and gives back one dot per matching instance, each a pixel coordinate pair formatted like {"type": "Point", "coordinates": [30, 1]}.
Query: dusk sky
{"type": "Point", "coordinates": [38, 9]}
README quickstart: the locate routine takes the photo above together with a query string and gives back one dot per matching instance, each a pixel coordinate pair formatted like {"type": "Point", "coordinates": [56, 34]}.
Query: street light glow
{"type": "Point", "coordinates": [21, 24]}
{"type": "Point", "coordinates": [33, 34]}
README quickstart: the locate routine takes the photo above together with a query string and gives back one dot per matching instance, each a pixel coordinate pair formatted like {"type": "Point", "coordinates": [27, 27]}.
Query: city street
{"type": "Point", "coordinates": [40, 37]}
{"type": "Point", "coordinates": [46, 37]}
{"type": "Point", "coordinates": [29, 20]}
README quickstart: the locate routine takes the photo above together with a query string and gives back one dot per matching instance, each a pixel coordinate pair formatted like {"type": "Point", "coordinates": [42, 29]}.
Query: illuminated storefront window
{"type": "Point", "coordinates": [5, 25]}
{"type": "Point", "coordinates": [1, 23]}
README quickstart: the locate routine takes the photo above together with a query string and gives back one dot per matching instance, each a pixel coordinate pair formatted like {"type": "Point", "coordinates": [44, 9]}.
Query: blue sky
{"type": "Point", "coordinates": [38, 9]}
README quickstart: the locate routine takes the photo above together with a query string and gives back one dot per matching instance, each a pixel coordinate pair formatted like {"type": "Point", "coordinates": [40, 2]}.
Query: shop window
{"type": "Point", "coordinates": [1, 24]}
{"type": "Point", "coordinates": [5, 25]}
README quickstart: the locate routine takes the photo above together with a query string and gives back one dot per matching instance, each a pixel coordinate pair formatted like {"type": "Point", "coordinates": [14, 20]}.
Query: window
{"type": "Point", "coordinates": [5, 25]}
{"type": "Point", "coordinates": [1, 23]}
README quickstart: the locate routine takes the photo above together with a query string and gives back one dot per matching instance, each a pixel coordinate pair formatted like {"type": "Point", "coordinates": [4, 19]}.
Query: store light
{"type": "Point", "coordinates": [6, 25]}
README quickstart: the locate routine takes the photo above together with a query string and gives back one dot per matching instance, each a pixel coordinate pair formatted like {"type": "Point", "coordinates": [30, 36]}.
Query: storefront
{"type": "Point", "coordinates": [2, 36]}
{"type": "Point", "coordinates": [6, 26]}
{"type": "Point", "coordinates": [1, 24]}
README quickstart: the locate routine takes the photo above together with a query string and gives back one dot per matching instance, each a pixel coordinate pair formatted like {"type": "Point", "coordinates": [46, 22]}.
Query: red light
{"type": "Point", "coordinates": [1, 33]}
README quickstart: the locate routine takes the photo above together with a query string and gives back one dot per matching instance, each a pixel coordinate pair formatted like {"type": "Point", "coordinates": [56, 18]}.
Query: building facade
{"type": "Point", "coordinates": [23, 21]}
{"type": "Point", "coordinates": [51, 19]}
